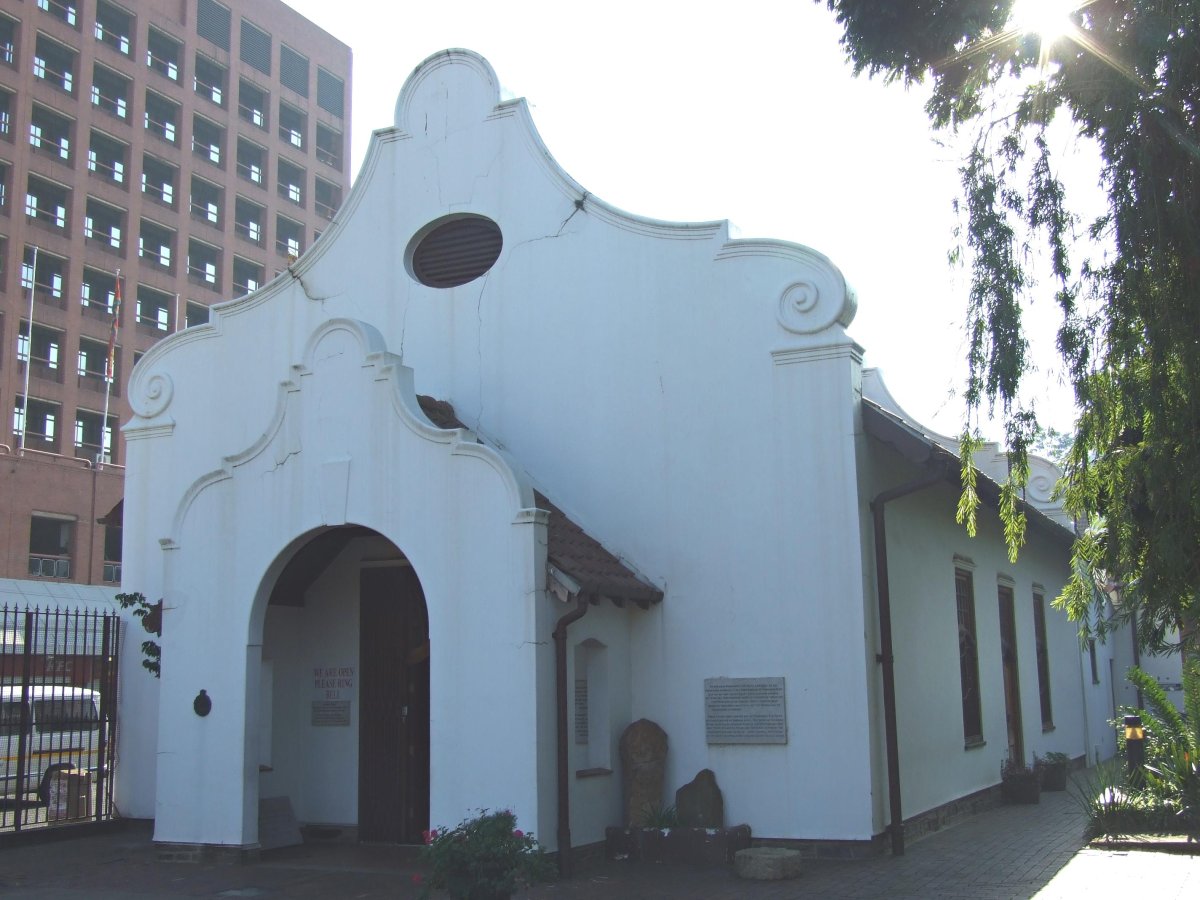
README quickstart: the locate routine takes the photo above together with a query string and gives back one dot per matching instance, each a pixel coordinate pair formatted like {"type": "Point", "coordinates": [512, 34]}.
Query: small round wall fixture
{"type": "Point", "coordinates": [202, 704]}
{"type": "Point", "coordinates": [453, 250]}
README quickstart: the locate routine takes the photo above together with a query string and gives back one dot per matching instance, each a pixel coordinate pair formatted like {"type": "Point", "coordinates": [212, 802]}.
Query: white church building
{"type": "Point", "coordinates": [496, 469]}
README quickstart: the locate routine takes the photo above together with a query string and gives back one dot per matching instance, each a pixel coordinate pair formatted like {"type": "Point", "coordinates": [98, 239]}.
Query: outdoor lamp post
{"type": "Point", "coordinates": [1135, 745]}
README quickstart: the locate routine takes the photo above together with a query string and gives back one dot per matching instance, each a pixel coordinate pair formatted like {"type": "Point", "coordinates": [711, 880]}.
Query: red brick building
{"type": "Point", "coordinates": [193, 147]}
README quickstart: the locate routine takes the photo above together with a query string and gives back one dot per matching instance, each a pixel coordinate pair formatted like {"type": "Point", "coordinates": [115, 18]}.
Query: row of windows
{"type": "Point", "coordinates": [52, 542]}
{"type": "Point", "coordinates": [214, 24]}
{"type": "Point", "coordinates": [112, 93]}
{"type": "Point", "coordinates": [49, 204]}
{"type": "Point", "coordinates": [116, 27]}
{"type": "Point", "coordinates": [47, 274]}
{"type": "Point", "coordinates": [968, 651]}
{"type": "Point", "coordinates": [52, 135]}
{"type": "Point", "coordinates": [43, 348]}
{"type": "Point", "coordinates": [37, 425]}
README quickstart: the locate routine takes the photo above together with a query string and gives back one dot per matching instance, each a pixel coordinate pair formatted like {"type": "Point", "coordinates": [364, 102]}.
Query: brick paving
{"type": "Point", "coordinates": [1008, 852]}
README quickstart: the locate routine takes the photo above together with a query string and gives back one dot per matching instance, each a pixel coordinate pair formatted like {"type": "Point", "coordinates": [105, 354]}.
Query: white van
{"type": "Point", "coordinates": [63, 730]}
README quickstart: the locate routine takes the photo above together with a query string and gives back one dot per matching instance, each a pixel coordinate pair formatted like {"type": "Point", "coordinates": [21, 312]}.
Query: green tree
{"type": "Point", "coordinates": [1127, 73]}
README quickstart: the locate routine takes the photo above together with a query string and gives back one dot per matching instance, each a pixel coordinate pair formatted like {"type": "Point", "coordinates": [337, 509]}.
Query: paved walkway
{"type": "Point", "coordinates": [1009, 852]}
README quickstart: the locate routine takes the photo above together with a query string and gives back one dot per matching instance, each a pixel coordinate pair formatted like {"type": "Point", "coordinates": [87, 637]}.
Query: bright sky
{"type": "Point", "coordinates": [745, 111]}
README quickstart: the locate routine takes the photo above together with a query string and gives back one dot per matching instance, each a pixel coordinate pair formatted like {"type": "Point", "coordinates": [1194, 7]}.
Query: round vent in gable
{"type": "Point", "coordinates": [454, 250]}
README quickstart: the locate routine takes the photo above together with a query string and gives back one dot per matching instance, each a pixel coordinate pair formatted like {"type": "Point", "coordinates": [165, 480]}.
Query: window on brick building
{"type": "Point", "coordinates": [50, 545]}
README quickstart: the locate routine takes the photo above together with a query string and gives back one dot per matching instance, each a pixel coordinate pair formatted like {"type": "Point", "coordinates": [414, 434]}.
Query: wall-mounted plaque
{"type": "Point", "coordinates": [744, 711]}
{"type": "Point", "coordinates": [331, 713]}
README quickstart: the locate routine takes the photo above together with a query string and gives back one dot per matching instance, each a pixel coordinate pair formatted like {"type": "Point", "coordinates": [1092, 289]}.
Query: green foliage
{"type": "Point", "coordinates": [1129, 78]}
{"type": "Point", "coordinates": [1175, 780]}
{"type": "Point", "coordinates": [1169, 782]}
{"type": "Point", "coordinates": [483, 857]}
{"type": "Point", "coordinates": [968, 501]}
{"type": "Point", "coordinates": [1113, 809]}
{"type": "Point", "coordinates": [1166, 729]}
{"type": "Point", "coordinates": [655, 816]}
{"type": "Point", "coordinates": [150, 615]}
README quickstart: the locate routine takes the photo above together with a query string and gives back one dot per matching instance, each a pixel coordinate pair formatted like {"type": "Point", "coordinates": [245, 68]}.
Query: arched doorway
{"type": "Point", "coordinates": [345, 687]}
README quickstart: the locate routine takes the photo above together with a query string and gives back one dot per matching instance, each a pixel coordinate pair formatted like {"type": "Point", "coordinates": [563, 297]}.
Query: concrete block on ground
{"type": "Point", "coordinates": [767, 863]}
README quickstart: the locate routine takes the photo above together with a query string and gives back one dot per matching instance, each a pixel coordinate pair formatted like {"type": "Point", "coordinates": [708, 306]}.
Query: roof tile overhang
{"type": "Point", "coordinates": [921, 449]}
{"type": "Point", "coordinates": [591, 571]}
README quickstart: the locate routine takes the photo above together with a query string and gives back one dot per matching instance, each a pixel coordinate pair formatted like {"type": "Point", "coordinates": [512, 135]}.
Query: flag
{"type": "Point", "coordinates": [110, 366]}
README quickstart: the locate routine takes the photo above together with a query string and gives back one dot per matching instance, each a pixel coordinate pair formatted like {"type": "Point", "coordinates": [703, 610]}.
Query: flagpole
{"type": "Point", "coordinates": [29, 352]}
{"type": "Point", "coordinates": [110, 371]}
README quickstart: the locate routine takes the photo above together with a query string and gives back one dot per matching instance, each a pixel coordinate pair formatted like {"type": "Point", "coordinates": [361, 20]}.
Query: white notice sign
{"type": "Point", "coordinates": [744, 711]}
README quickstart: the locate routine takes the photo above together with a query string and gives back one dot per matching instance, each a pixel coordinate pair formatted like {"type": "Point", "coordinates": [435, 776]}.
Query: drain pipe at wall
{"type": "Point", "coordinates": [564, 783]}
{"type": "Point", "coordinates": [935, 474]}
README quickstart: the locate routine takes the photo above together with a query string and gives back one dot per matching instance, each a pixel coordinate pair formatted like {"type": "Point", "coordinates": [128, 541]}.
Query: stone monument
{"type": "Point", "coordinates": [699, 803]}
{"type": "Point", "coordinates": [643, 770]}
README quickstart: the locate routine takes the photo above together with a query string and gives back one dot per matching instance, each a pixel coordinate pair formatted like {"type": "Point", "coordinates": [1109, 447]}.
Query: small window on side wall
{"type": "Point", "coordinates": [454, 250]}
{"type": "Point", "coordinates": [592, 718]}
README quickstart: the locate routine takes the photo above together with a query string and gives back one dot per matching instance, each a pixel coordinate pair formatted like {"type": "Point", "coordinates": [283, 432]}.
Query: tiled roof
{"type": "Point", "coordinates": [571, 549]}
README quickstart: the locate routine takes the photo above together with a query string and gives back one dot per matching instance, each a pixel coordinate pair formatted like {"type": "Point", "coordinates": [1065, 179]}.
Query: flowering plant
{"type": "Point", "coordinates": [484, 858]}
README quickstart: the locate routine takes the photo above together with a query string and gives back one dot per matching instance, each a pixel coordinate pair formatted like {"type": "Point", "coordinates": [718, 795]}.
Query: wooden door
{"type": "Point", "coordinates": [1012, 681]}
{"type": "Point", "coordinates": [393, 731]}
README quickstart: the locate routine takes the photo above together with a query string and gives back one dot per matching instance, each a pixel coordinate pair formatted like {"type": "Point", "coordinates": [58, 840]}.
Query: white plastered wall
{"type": "Point", "coordinates": [344, 443]}
{"type": "Point", "coordinates": [595, 794]}
{"type": "Point", "coordinates": [689, 399]}
{"type": "Point", "coordinates": [925, 545]}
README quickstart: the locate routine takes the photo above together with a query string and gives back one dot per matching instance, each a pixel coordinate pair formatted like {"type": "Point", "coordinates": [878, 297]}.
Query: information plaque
{"type": "Point", "coordinates": [331, 712]}
{"type": "Point", "coordinates": [744, 711]}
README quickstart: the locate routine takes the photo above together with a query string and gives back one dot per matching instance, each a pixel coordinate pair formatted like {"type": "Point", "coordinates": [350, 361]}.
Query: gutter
{"type": "Point", "coordinates": [935, 474]}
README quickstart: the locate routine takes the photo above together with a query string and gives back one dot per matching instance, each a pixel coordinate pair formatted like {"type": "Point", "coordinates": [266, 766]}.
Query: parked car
{"type": "Point", "coordinates": [62, 730]}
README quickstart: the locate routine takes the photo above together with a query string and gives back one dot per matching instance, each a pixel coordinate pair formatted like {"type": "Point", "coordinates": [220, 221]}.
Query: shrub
{"type": "Point", "coordinates": [1164, 795]}
{"type": "Point", "coordinates": [483, 858]}
{"type": "Point", "coordinates": [1114, 809]}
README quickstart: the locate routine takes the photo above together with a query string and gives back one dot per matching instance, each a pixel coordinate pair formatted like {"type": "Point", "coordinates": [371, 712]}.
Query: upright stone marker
{"type": "Point", "coordinates": [643, 769]}
{"type": "Point", "coordinates": [699, 803]}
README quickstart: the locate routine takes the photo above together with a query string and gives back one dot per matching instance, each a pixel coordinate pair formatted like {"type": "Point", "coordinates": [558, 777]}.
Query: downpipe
{"type": "Point", "coordinates": [560, 684]}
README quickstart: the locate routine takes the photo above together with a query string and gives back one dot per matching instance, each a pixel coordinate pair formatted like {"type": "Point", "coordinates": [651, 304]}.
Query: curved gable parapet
{"type": "Point", "coordinates": [447, 91]}
{"type": "Point", "coordinates": [424, 111]}
{"type": "Point", "coordinates": [607, 212]}
{"type": "Point", "coordinates": [874, 389]}
{"type": "Point", "coordinates": [1044, 476]}
{"type": "Point", "coordinates": [369, 338]}
{"type": "Point", "coordinates": [990, 459]}
{"type": "Point", "coordinates": [390, 368]}
{"type": "Point", "coordinates": [819, 297]}
{"type": "Point", "coordinates": [384, 367]}
{"type": "Point", "coordinates": [1043, 479]}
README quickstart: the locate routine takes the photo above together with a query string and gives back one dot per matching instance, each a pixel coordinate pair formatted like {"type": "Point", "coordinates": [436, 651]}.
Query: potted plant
{"type": "Point", "coordinates": [484, 858]}
{"type": "Point", "coordinates": [1053, 770]}
{"type": "Point", "coordinates": [1019, 783]}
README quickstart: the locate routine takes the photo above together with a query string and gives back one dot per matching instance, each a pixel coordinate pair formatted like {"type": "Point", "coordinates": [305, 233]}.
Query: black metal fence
{"type": "Point", "coordinates": [58, 717]}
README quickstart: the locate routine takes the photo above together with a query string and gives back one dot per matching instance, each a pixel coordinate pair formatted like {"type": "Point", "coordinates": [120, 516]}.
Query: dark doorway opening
{"type": "Point", "coordinates": [1012, 683]}
{"type": "Point", "coordinates": [393, 737]}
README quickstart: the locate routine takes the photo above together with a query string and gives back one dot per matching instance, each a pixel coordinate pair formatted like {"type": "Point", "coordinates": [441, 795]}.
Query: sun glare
{"type": "Point", "coordinates": [1048, 19]}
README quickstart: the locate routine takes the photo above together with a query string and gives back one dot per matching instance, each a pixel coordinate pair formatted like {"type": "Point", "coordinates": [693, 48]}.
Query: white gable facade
{"type": "Point", "coordinates": [693, 402]}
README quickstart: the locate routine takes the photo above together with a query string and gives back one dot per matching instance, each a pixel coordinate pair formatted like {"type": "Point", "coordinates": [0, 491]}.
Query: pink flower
{"type": "Point", "coordinates": [518, 833]}
{"type": "Point", "coordinates": [429, 835]}
{"type": "Point", "coordinates": [417, 879]}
